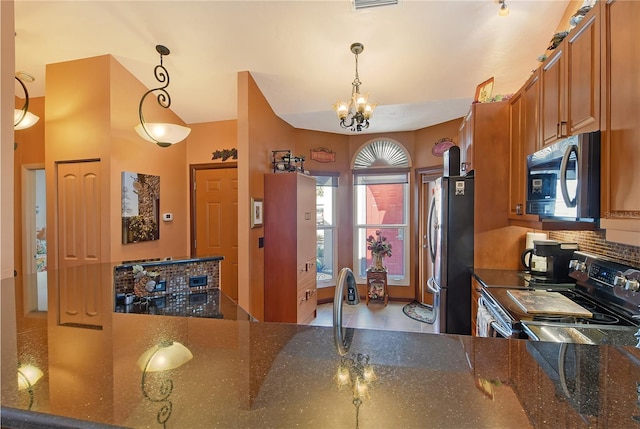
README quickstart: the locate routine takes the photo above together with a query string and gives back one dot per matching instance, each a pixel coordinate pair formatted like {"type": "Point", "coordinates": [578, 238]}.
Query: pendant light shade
{"type": "Point", "coordinates": [22, 118]}
{"type": "Point", "coordinates": [156, 132]}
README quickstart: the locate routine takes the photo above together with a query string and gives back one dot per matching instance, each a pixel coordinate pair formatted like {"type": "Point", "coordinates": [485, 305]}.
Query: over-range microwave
{"type": "Point", "coordinates": [563, 179]}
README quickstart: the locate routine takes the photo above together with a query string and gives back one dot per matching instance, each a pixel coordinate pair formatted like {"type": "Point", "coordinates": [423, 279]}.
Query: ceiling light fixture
{"type": "Point", "coordinates": [22, 118]}
{"type": "Point", "coordinates": [163, 134]}
{"type": "Point", "coordinates": [504, 9]}
{"type": "Point", "coordinates": [355, 114]}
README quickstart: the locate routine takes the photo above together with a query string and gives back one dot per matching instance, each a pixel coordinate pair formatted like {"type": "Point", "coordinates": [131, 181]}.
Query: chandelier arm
{"type": "Point", "coordinates": [25, 107]}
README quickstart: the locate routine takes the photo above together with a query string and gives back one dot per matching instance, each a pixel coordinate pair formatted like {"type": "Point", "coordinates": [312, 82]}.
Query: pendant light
{"type": "Point", "coordinates": [22, 118]}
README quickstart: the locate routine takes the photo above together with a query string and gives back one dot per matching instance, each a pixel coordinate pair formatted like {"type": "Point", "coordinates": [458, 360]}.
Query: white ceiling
{"type": "Point", "coordinates": [422, 59]}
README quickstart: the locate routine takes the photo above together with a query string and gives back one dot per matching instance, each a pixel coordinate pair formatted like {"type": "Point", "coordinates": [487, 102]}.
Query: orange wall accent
{"type": "Point", "coordinates": [129, 152]}
{"type": "Point", "coordinates": [260, 131]}
{"type": "Point", "coordinates": [207, 137]}
{"type": "Point", "coordinates": [90, 114]}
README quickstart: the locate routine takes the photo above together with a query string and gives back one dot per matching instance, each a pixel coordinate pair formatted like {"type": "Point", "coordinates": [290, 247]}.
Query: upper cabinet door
{"type": "Point", "coordinates": [552, 96]}
{"type": "Point", "coordinates": [621, 120]}
{"type": "Point", "coordinates": [570, 95]}
{"type": "Point", "coordinates": [583, 76]}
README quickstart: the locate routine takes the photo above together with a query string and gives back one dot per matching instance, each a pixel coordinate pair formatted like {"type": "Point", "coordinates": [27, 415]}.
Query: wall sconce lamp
{"type": "Point", "coordinates": [28, 376]}
{"type": "Point", "coordinates": [355, 372]}
{"type": "Point", "coordinates": [355, 114]}
{"type": "Point", "coordinates": [162, 357]}
{"type": "Point", "coordinates": [161, 133]}
{"type": "Point", "coordinates": [504, 9]}
{"type": "Point", "coordinates": [22, 118]}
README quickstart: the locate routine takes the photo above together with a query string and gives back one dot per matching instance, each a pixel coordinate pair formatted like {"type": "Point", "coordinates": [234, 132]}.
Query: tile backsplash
{"type": "Point", "coordinates": [594, 242]}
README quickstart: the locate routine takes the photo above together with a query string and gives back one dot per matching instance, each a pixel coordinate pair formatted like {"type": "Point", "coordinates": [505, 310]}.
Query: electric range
{"type": "Point", "coordinates": [608, 289]}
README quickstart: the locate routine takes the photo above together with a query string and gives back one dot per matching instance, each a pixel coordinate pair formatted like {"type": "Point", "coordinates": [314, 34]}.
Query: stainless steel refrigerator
{"type": "Point", "coordinates": [450, 229]}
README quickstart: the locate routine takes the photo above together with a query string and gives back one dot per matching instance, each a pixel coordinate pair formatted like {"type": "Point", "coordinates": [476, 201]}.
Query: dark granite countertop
{"type": "Point", "coordinates": [246, 374]}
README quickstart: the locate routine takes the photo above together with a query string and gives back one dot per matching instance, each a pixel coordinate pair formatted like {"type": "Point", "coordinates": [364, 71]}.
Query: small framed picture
{"type": "Point", "coordinates": [257, 213]}
{"type": "Point", "coordinates": [483, 91]}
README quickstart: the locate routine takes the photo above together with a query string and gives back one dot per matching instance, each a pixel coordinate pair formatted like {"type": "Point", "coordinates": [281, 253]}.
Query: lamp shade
{"type": "Point", "coordinates": [28, 375]}
{"type": "Point", "coordinates": [164, 356]}
{"type": "Point", "coordinates": [161, 133]}
{"type": "Point", "coordinates": [27, 121]}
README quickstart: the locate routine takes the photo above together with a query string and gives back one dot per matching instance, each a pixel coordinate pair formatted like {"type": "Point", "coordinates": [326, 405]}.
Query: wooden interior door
{"type": "Point", "coordinates": [79, 213]}
{"type": "Point", "coordinates": [216, 221]}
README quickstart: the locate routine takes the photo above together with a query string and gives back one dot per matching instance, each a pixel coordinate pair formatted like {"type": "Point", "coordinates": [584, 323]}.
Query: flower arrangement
{"type": "Point", "coordinates": [379, 244]}
{"type": "Point", "coordinates": [143, 280]}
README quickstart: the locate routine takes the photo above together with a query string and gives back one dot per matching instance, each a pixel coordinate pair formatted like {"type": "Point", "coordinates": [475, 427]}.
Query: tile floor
{"type": "Point", "coordinates": [373, 316]}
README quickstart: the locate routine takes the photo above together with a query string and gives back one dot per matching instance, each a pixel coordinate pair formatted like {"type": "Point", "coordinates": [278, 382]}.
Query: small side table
{"type": "Point", "coordinates": [377, 286]}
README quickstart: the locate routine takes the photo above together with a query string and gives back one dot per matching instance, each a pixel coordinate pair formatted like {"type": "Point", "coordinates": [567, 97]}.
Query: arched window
{"type": "Point", "coordinates": [381, 203]}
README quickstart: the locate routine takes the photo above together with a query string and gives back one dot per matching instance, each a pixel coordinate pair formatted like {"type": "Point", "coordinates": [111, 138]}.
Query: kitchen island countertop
{"type": "Point", "coordinates": [246, 374]}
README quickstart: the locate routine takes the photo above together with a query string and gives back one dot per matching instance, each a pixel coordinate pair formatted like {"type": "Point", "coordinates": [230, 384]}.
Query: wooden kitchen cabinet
{"type": "Point", "coordinates": [484, 125]}
{"type": "Point", "coordinates": [524, 135]}
{"type": "Point", "coordinates": [289, 248]}
{"type": "Point", "coordinates": [620, 133]}
{"type": "Point", "coordinates": [476, 287]}
{"type": "Point", "coordinates": [466, 144]}
{"type": "Point", "coordinates": [570, 80]}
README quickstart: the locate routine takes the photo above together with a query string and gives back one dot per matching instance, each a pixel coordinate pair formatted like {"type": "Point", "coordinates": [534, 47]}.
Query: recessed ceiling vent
{"type": "Point", "coordinates": [362, 4]}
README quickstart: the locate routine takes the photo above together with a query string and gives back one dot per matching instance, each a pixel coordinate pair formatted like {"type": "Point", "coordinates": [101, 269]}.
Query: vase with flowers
{"type": "Point", "coordinates": [380, 248]}
{"type": "Point", "coordinates": [143, 281]}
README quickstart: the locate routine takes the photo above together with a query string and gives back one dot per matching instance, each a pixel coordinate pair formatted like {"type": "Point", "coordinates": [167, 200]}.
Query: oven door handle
{"type": "Point", "coordinates": [498, 328]}
{"type": "Point", "coordinates": [482, 302]}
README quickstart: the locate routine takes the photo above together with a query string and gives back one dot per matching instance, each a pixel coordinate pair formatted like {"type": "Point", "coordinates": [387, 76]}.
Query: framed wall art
{"type": "Point", "coordinates": [257, 213]}
{"type": "Point", "coordinates": [140, 207]}
{"type": "Point", "coordinates": [484, 90]}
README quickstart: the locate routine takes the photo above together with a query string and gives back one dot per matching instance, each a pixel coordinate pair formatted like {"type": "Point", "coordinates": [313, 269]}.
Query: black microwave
{"type": "Point", "coordinates": [563, 179]}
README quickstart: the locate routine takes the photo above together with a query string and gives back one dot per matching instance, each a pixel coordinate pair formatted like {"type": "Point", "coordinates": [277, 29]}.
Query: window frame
{"type": "Point", "coordinates": [406, 227]}
{"type": "Point", "coordinates": [334, 176]}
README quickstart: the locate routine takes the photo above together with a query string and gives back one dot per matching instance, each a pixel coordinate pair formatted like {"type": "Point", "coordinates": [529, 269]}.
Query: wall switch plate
{"type": "Point", "coordinates": [167, 217]}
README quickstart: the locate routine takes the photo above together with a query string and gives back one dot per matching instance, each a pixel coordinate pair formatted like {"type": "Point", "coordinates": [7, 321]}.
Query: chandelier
{"type": "Point", "coordinates": [355, 114]}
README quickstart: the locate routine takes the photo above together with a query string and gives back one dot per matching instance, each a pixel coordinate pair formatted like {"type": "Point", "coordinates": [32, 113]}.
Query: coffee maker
{"type": "Point", "coordinates": [558, 255]}
{"type": "Point", "coordinates": [536, 265]}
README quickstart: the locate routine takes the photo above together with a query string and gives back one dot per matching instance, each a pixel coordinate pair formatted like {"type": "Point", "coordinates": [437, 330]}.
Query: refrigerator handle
{"type": "Point", "coordinates": [435, 290]}
{"type": "Point", "coordinates": [431, 230]}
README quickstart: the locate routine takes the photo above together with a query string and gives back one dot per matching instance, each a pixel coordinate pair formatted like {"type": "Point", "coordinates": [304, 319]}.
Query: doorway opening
{"type": "Point", "coordinates": [34, 257]}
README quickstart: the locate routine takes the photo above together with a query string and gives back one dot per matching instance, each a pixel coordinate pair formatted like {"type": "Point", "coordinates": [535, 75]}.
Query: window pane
{"type": "Point", "coordinates": [381, 204]}
{"type": "Point", "coordinates": [324, 206]}
{"type": "Point", "coordinates": [324, 262]}
{"type": "Point", "coordinates": [394, 263]}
